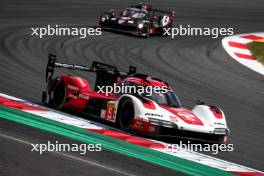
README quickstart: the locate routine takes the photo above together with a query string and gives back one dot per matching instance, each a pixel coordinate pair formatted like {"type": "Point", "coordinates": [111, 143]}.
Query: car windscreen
{"type": "Point", "coordinates": [168, 99]}
{"type": "Point", "coordinates": [133, 13]}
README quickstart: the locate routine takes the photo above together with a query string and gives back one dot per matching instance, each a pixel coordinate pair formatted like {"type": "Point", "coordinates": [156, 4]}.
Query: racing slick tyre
{"type": "Point", "coordinates": [222, 139]}
{"type": "Point", "coordinates": [57, 95]}
{"type": "Point", "coordinates": [145, 32]}
{"type": "Point", "coordinates": [148, 32]}
{"type": "Point", "coordinates": [105, 17]}
{"type": "Point", "coordinates": [125, 114]}
{"type": "Point", "coordinates": [166, 28]}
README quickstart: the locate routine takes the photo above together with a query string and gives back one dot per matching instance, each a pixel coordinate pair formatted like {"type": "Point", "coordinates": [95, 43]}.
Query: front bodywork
{"type": "Point", "coordinates": [157, 119]}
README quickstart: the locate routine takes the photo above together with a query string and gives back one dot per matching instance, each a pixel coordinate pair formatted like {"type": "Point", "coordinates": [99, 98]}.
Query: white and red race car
{"type": "Point", "coordinates": [159, 113]}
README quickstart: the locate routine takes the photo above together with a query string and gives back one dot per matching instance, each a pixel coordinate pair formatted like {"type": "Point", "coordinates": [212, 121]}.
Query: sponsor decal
{"type": "Point", "coordinates": [110, 111]}
{"type": "Point", "coordinates": [73, 87]}
{"type": "Point", "coordinates": [82, 82]}
{"type": "Point", "coordinates": [165, 20]}
{"type": "Point", "coordinates": [83, 96]}
{"type": "Point", "coordinates": [174, 119]}
{"type": "Point", "coordinates": [121, 21]}
{"type": "Point", "coordinates": [185, 115]}
{"type": "Point", "coordinates": [72, 96]}
{"type": "Point", "coordinates": [153, 114]}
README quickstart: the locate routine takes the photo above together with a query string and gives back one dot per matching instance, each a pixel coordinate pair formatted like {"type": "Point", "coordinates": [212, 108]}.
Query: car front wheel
{"type": "Point", "coordinates": [125, 115]}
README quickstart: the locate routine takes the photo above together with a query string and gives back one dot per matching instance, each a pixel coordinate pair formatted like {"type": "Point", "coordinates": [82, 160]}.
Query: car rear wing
{"type": "Point", "coordinates": [167, 12]}
{"type": "Point", "coordinates": [95, 67]}
{"type": "Point", "coordinates": [147, 7]}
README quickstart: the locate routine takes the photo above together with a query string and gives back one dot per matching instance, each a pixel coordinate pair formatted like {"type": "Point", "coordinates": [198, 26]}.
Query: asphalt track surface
{"type": "Point", "coordinates": [197, 67]}
{"type": "Point", "coordinates": [18, 159]}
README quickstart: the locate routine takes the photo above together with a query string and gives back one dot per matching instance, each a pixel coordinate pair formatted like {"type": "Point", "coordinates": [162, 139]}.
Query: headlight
{"type": "Point", "coordinates": [220, 131]}
{"type": "Point", "coordinates": [140, 25]}
{"type": "Point", "coordinates": [163, 123]}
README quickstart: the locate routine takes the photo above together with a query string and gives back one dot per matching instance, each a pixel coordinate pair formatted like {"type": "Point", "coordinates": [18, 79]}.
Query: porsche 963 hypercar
{"type": "Point", "coordinates": [152, 114]}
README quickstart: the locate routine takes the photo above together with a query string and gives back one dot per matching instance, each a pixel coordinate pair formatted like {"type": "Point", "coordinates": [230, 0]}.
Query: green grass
{"type": "Point", "coordinates": [257, 50]}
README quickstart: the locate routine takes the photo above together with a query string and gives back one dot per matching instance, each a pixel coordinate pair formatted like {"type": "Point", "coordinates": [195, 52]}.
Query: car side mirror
{"type": "Point", "coordinates": [132, 70]}
{"type": "Point", "coordinates": [121, 12]}
{"type": "Point", "coordinates": [199, 102]}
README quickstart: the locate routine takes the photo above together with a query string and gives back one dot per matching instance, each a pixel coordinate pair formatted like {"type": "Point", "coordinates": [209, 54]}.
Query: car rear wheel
{"type": "Point", "coordinates": [148, 32]}
{"type": "Point", "coordinates": [106, 16]}
{"type": "Point", "coordinates": [57, 95]}
{"type": "Point", "coordinates": [223, 139]}
{"type": "Point", "coordinates": [125, 115]}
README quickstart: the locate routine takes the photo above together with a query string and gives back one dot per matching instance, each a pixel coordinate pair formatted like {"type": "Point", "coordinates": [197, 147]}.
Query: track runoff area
{"type": "Point", "coordinates": [237, 46]}
{"type": "Point", "coordinates": [190, 162]}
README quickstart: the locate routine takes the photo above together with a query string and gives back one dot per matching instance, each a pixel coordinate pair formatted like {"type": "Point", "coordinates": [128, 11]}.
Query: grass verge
{"type": "Point", "coordinates": [257, 50]}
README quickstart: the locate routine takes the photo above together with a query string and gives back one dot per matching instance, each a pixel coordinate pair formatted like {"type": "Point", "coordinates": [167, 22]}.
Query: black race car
{"type": "Point", "coordinates": [139, 19]}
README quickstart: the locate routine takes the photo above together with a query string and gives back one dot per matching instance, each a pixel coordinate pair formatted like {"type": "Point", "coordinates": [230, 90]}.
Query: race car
{"type": "Point", "coordinates": [139, 19]}
{"type": "Point", "coordinates": [156, 113]}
